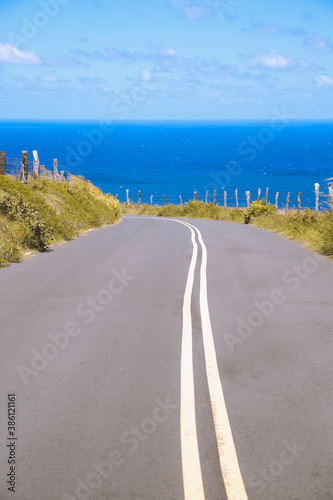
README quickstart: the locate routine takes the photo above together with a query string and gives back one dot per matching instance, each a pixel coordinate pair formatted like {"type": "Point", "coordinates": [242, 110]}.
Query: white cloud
{"type": "Point", "coordinates": [273, 60]}
{"type": "Point", "coordinates": [323, 81]}
{"type": "Point", "coordinates": [319, 43]}
{"type": "Point", "coordinates": [263, 28]}
{"type": "Point", "coordinates": [48, 78]}
{"type": "Point", "coordinates": [10, 54]}
{"type": "Point", "coordinates": [192, 9]}
{"type": "Point", "coordinates": [146, 75]}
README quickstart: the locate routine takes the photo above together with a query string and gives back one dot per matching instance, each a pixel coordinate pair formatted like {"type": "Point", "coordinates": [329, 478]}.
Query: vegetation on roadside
{"type": "Point", "coordinates": [45, 212]}
{"type": "Point", "coordinates": [314, 231]}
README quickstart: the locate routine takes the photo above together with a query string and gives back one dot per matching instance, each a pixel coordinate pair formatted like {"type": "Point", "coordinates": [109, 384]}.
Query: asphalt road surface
{"type": "Point", "coordinates": [168, 359]}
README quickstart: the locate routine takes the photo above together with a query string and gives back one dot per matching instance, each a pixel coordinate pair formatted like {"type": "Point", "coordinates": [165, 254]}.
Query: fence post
{"type": "Point", "coordinates": [2, 162]}
{"type": "Point", "coordinates": [259, 194]}
{"type": "Point", "coordinates": [180, 200]}
{"type": "Point", "coordinates": [195, 196]}
{"type": "Point", "coordinates": [207, 197]}
{"type": "Point", "coordinates": [24, 168]}
{"type": "Point", "coordinates": [236, 197]}
{"type": "Point", "coordinates": [214, 196]}
{"type": "Point", "coordinates": [248, 198]}
{"type": "Point", "coordinates": [330, 196]}
{"type": "Point", "coordinates": [36, 164]}
{"type": "Point", "coordinates": [151, 199]}
{"type": "Point", "coordinates": [43, 169]}
{"type": "Point", "coordinates": [164, 200]}
{"type": "Point", "coordinates": [139, 198]}
{"type": "Point", "coordinates": [225, 199]}
{"type": "Point", "coordinates": [317, 197]}
{"type": "Point", "coordinates": [287, 203]}
{"type": "Point", "coordinates": [276, 200]}
{"type": "Point", "coordinates": [299, 201]}
{"type": "Point", "coordinates": [266, 199]}
{"type": "Point", "coordinates": [62, 175]}
{"type": "Point", "coordinates": [127, 197]}
{"type": "Point", "coordinates": [55, 165]}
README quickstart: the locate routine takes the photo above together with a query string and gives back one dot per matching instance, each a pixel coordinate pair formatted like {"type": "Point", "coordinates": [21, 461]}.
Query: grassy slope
{"type": "Point", "coordinates": [312, 230]}
{"type": "Point", "coordinates": [42, 212]}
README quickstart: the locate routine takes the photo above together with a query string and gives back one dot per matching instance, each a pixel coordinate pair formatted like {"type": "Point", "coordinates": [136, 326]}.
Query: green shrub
{"type": "Point", "coordinates": [256, 209]}
{"type": "Point", "coordinates": [41, 212]}
{"type": "Point", "coordinates": [18, 209]}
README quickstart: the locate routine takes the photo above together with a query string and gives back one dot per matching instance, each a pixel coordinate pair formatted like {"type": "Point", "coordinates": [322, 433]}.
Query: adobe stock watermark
{"type": "Point", "coordinates": [225, 8]}
{"type": "Point", "coordinates": [256, 144]}
{"type": "Point", "coordinates": [220, 180]}
{"type": "Point", "coordinates": [250, 148]}
{"type": "Point", "coordinates": [292, 279]}
{"type": "Point", "coordinates": [49, 9]}
{"type": "Point", "coordinates": [275, 468]}
{"type": "Point", "coordinates": [87, 310]}
{"type": "Point", "coordinates": [121, 107]}
{"type": "Point", "coordinates": [129, 442]}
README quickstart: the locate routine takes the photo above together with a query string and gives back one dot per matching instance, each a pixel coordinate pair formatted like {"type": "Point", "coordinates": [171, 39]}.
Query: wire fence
{"type": "Point", "coordinates": [232, 199]}
{"type": "Point", "coordinates": [14, 166]}
{"type": "Point", "coordinates": [314, 200]}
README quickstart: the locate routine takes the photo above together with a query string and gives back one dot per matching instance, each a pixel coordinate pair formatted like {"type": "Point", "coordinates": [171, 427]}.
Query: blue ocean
{"type": "Point", "coordinates": [178, 158]}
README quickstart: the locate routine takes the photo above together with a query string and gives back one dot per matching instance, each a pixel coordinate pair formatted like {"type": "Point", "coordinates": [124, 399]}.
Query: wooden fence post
{"type": "Point", "coordinates": [36, 164]}
{"type": "Point", "coordinates": [139, 198]}
{"type": "Point", "coordinates": [43, 169]}
{"type": "Point", "coordinates": [207, 197]}
{"type": "Point", "coordinates": [214, 196]}
{"type": "Point", "coordinates": [225, 199]}
{"type": "Point", "coordinates": [330, 196]}
{"type": "Point", "coordinates": [151, 200]}
{"type": "Point", "coordinates": [127, 197]}
{"type": "Point", "coordinates": [266, 199]}
{"type": "Point", "coordinates": [24, 168]}
{"type": "Point", "coordinates": [195, 196]}
{"type": "Point", "coordinates": [62, 175]}
{"type": "Point", "coordinates": [248, 198]}
{"type": "Point", "coordinates": [180, 200]}
{"type": "Point", "coordinates": [2, 162]}
{"type": "Point", "coordinates": [236, 197]}
{"type": "Point", "coordinates": [259, 194]}
{"type": "Point", "coordinates": [299, 201]}
{"type": "Point", "coordinates": [276, 200]}
{"type": "Point", "coordinates": [164, 200]}
{"type": "Point", "coordinates": [317, 197]}
{"type": "Point", "coordinates": [287, 203]}
{"type": "Point", "coordinates": [55, 166]}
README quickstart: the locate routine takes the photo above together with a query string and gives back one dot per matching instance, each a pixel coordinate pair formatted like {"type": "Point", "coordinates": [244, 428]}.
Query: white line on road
{"type": "Point", "coordinates": [230, 469]}
{"type": "Point", "coordinates": [192, 476]}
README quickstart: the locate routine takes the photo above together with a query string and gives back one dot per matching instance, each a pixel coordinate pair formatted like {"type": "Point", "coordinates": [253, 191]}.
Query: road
{"type": "Point", "coordinates": [141, 371]}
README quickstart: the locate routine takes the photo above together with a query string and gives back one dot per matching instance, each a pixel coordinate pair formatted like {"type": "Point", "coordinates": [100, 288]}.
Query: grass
{"type": "Point", "coordinates": [314, 231]}
{"type": "Point", "coordinates": [45, 212]}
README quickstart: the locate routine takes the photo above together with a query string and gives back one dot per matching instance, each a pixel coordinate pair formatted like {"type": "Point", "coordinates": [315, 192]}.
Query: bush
{"type": "Point", "coordinates": [42, 211]}
{"type": "Point", "coordinates": [18, 209]}
{"type": "Point", "coordinates": [256, 209]}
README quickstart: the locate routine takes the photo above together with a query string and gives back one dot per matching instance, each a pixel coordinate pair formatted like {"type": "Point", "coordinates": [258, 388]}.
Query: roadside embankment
{"type": "Point", "coordinates": [43, 212]}
{"type": "Point", "coordinates": [311, 229]}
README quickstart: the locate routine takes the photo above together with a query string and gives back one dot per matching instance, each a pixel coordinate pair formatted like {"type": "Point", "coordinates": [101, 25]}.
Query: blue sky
{"type": "Point", "coordinates": [166, 59]}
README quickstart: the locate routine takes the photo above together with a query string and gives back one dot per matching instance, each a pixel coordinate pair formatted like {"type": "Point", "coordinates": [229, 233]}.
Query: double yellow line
{"type": "Point", "coordinates": [192, 475]}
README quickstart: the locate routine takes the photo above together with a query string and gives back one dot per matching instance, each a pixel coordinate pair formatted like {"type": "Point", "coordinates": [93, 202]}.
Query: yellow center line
{"type": "Point", "coordinates": [192, 476]}
{"type": "Point", "coordinates": [230, 469]}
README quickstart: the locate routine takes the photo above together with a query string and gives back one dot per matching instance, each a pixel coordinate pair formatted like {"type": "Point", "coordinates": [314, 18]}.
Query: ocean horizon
{"type": "Point", "coordinates": [175, 158]}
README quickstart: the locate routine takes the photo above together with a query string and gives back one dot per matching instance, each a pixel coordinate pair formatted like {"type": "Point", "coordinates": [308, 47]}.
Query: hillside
{"type": "Point", "coordinates": [43, 212]}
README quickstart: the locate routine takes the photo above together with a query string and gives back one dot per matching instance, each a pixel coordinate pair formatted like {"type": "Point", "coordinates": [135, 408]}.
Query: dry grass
{"type": "Point", "coordinates": [43, 212]}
